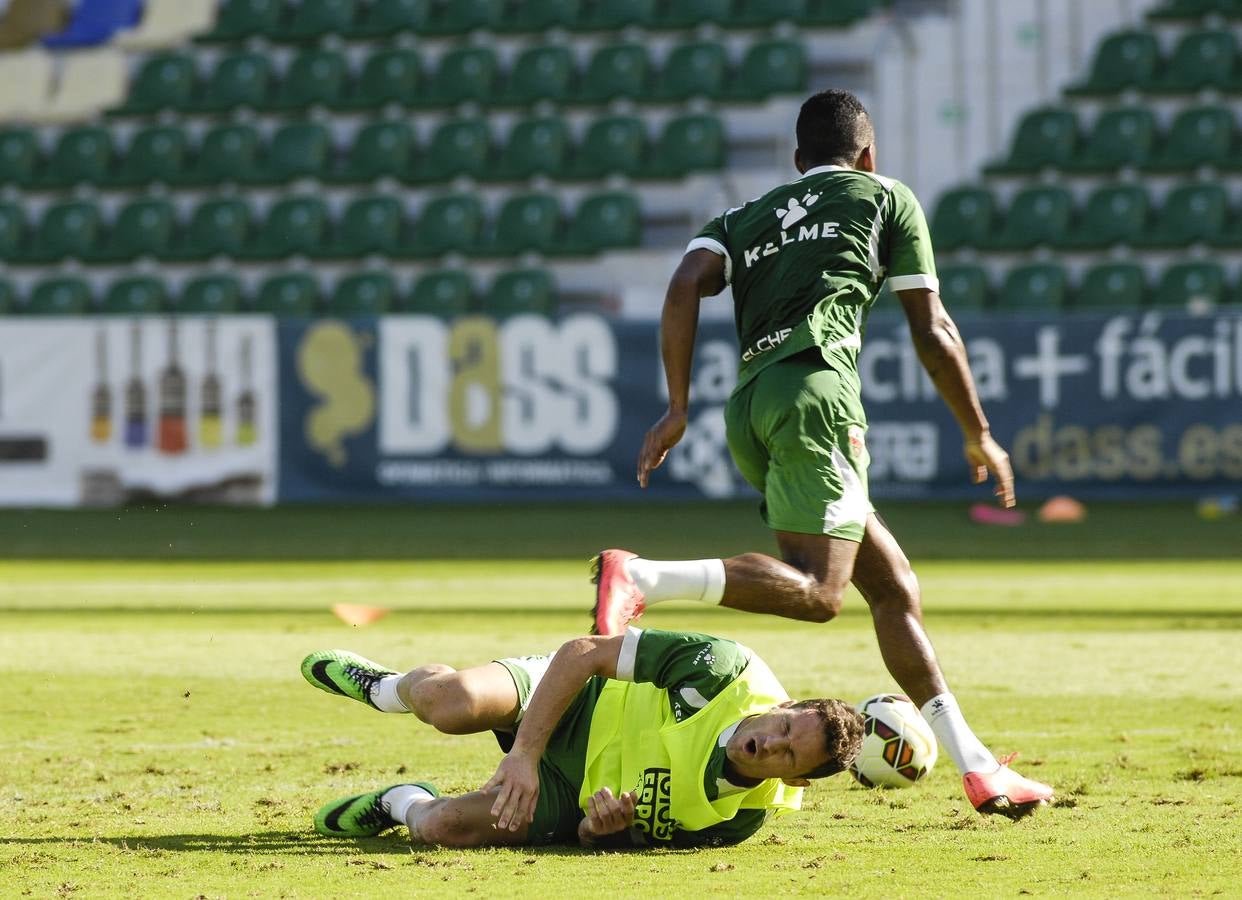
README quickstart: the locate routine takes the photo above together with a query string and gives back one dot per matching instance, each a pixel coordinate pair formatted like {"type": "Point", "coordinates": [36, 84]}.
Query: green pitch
{"type": "Point", "coordinates": [158, 739]}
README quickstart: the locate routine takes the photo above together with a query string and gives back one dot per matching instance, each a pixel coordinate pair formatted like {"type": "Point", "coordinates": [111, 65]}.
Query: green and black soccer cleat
{"type": "Point", "coordinates": [360, 815]}
{"type": "Point", "coordinates": [344, 673]}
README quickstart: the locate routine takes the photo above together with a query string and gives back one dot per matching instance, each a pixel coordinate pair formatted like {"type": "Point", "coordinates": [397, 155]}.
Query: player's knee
{"type": "Point", "coordinates": [825, 601]}
{"type": "Point", "coordinates": [447, 825]}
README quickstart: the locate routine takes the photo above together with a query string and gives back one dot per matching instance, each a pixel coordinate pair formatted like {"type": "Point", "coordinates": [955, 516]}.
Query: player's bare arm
{"type": "Point", "coordinates": [943, 354]}
{"type": "Point", "coordinates": [517, 776]}
{"type": "Point", "coordinates": [700, 274]}
{"type": "Point", "coordinates": [606, 815]}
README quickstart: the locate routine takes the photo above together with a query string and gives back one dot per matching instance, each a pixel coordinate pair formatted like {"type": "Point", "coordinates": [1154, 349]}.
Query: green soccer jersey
{"type": "Point", "coordinates": [807, 260]}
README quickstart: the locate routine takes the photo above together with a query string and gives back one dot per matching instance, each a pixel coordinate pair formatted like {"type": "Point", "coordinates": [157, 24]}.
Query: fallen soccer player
{"type": "Point", "coordinates": [642, 739]}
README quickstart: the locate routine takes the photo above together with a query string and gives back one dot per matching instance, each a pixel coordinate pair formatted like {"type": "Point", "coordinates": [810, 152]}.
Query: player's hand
{"type": "Point", "coordinates": [985, 455]}
{"type": "Point", "coordinates": [516, 783]}
{"type": "Point", "coordinates": [607, 814]}
{"type": "Point", "coordinates": [662, 438]}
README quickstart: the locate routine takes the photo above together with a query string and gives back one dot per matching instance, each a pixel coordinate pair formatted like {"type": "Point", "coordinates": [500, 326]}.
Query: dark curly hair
{"type": "Point", "coordinates": [843, 734]}
{"type": "Point", "coordinates": [833, 127]}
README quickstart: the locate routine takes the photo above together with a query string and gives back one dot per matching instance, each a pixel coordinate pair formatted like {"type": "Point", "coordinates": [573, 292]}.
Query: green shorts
{"type": "Point", "coordinates": [797, 434]}
{"type": "Point", "coordinates": [562, 769]}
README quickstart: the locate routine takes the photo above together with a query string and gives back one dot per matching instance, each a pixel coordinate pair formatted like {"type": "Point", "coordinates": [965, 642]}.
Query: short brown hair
{"type": "Point", "coordinates": [843, 734]}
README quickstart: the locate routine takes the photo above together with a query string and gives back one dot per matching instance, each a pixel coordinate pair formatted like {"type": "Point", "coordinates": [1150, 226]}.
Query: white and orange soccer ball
{"type": "Point", "coordinates": [898, 748]}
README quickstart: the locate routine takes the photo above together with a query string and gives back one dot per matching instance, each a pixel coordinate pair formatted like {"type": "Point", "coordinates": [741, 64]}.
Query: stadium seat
{"type": "Point", "coordinates": [762, 13]}
{"type": "Point", "coordinates": [1037, 215]}
{"type": "Point", "coordinates": [613, 15]}
{"type": "Point", "coordinates": [142, 228]}
{"type": "Point", "coordinates": [1038, 286]}
{"type": "Point", "coordinates": [963, 218]}
{"type": "Point", "coordinates": [164, 81]}
{"type": "Point", "coordinates": [536, 16]}
{"type": "Point", "coordinates": [314, 78]}
{"type": "Point", "coordinates": [25, 22]}
{"type": "Point", "coordinates": [310, 20]}
{"type": "Point", "coordinates": [8, 297]}
{"type": "Point", "coordinates": [697, 69]}
{"type": "Point", "coordinates": [964, 287]}
{"type": "Point", "coordinates": [25, 79]}
{"type": "Point", "coordinates": [388, 18]}
{"type": "Point", "coordinates": [687, 144]}
{"type": "Point", "coordinates": [457, 147]}
{"type": "Point", "coordinates": [679, 15]}
{"type": "Point", "coordinates": [1201, 59]}
{"type": "Point", "coordinates": [136, 296]}
{"type": "Point", "coordinates": [769, 68]}
{"type": "Point", "coordinates": [1044, 138]}
{"type": "Point", "coordinates": [1124, 59]}
{"type": "Point", "coordinates": [220, 227]}
{"type": "Point", "coordinates": [68, 230]}
{"type": "Point", "coordinates": [12, 230]}
{"type": "Point", "coordinates": [389, 76]}
{"type": "Point", "coordinates": [91, 81]}
{"type": "Point", "coordinates": [1183, 10]}
{"type": "Point", "coordinates": [459, 17]}
{"type": "Point", "coordinates": [451, 223]}
{"type": "Point", "coordinates": [368, 225]}
{"type": "Point", "coordinates": [228, 154]}
{"type": "Point", "coordinates": [157, 155]}
{"type": "Point", "coordinates": [538, 73]}
{"type": "Point", "coordinates": [240, 19]}
{"type": "Point", "coordinates": [82, 156]}
{"type": "Point", "coordinates": [1191, 284]}
{"type": "Point", "coordinates": [60, 296]}
{"type": "Point", "coordinates": [1199, 136]}
{"type": "Point", "coordinates": [615, 71]}
{"type": "Point", "coordinates": [94, 22]}
{"type": "Point", "coordinates": [534, 147]}
{"type": "Point", "coordinates": [521, 292]}
{"type": "Point", "coordinates": [211, 295]}
{"type": "Point", "coordinates": [613, 145]}
{"type": "Point", "coordinates": [19, 156]}
{"type": "Point", "coordinates": [1191, 213]}
{"type": "Point", "coordinates": [168, 23]}
{"type": "Point", "coordinates": [836, 13]}
{"type": "Point", "coordinates": [299, 150]}
{"type": "Point", "coordinates": [1119, 138]}
{"type": "Point", "coordinates": [468, 73]}
{"type": "Point", "coordinates": [363, 294]}
{"type": "Point", "coordinates": [291, 294]}
{"type": "Point", "coordinates": [240, 80]}
{"type": "Point", "coordinates": [295, 226]}
{"type": "Point", "coordinates": [604, 221]}
{"type": "Point", "coordinates": [379, 150]}
{"type": "Point", "coordinates": [1113, 214]}
{"type": "Point", "coordinates": [528, 222]}
{"type": "Point", "coordinates": [1112, 286]}
{"type": "Point", "coordinates": [447, 293]}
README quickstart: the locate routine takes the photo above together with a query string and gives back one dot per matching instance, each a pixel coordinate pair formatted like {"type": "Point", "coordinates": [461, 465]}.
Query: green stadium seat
{"type": "Point", "coordinates": [613, 15]}
{"type": "Point", "coordinates": [64, 295]}
{"type": "Point", "coordinates": [389, 76]}
{"type": "Point", "coordinates": [538, 146]}
{"type": "Point", "coordinates": [1044, 138]}
{"type": "Point", "coordinates": [464, 74]}
{"type": "Point", "coordinates": [363, 294]}
{"type": "Point", "coordinates": [605, 221]}
{"type": "Point", "coordinates": [13, 229]}
{"type": "Point", "coordinates": [68, 230]}
{"type": "Point", "coordinates": [457, 147]}
{"type": "Point", "coordinates": [679, 15]}
{"type": "Point", "coordinates": [539, 73]}
{"type": "Point", "coordinates": [1037, 286]}
{"type": "Point", "coordinates": [295, 226]}
{"type": "Point", "coordinates": [311, 20]}
{"type": "Point", "coordinates": [314, 78]}
{"type": "Point", "coordinates": [8, 297]}
{"type": "Point", "coordinates": [1184, 10]}
{"type": "Point", "coordinates": [521, 292]}
{"type": "Point", "coordinates": [1113, 214]}
{"type": "Point", "coordinates": [19, 156]}
{"type": "Point", "coordinates": [240, 19]}
{"type": "Point", "coordinates": [380, 150]}
{"type": "Point", "coordinates": [697, 69]}
{"type": "Point", "coordinates": [1201, 59]}
{"type": "Point", "coordinates": [156, 155]}
{"type": "Point", "coordinates": [446, 224]}
{"type": "Point", "coordinates": [687, 144]}
{"type": "Point", "coordinates": [136, 296]}
{"type": "Point", "coordinates": [143, 228]}
{"type": "Point", "coordinates": [1123, 60]}
{"type": "Point", "coordinates": [300, 150]}
{"type": "Point", "coordinates": [613, 145]}
{"type": "Point", "coordinates": [1112, 286]}
{"type": "Point", "coordinates": [1191, 213]}
{"type": "Point", "coordinates": [964, 286]}
{"type": "Point", "coordinates": [229, 154]}
{"type": "Point", "coordinates": [769, 68]}
{"type": "Point", "coordinates": [1199, 136]}
{"type": "Point", "coordinates": [836, 13]}
{"type": "Point", "coordinates": [448, 18]}
{"type": "Point", "coordinates": [221, 227]}
{"type": "Point", "coordinates": [963, 217]}
{"type": "Point", "coordinates": [163, 81]}
{"type": "Point", "coordinates": [386, 18]}
{"type": "Point", "coordinates": [1037, 215]}
{"type": "Point", "coordinates": [535, 16]}
{"type": "Point", "coordinates": [615, 71]}
{"type": "Point", "coordinates": [368, 225]}
{"type": "Point", "coordinates": [239, 80]}
{"type": "Point", "coordinates": [1119, 138]}
{"type": "Point", "coordinates": [83, 155]}
{"type": "Point", "coordinates": [447, 294]}
{"type": "Point", "coordinates": [1193, 284]}
{"type": "Point", "coordinates": [762, 13]}
{"type": "Point", "coordinates": [291, 294]}
{"type": "Point", "coordinates": [529, 222]}
{"type": "Point", "coordinates": [211, 295]}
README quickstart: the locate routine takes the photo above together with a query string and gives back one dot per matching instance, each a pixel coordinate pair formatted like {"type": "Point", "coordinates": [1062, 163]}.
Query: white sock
{"type": "Point", "coordinates": [688, 579]}
{"type": "Point", "coordinates": [946, 719]}
{"type": "Point", "coordinates": [385, 696]}
{"type": "Point", "coordinates": [398, 800]}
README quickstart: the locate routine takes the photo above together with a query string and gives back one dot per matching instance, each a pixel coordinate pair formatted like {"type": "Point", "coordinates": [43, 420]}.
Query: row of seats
{"type": "Point", "coordinates": [446, 293]}
{"type": "Point", "coordinates": [310, 20]}
{"type": "Point", "coordinates": [467, 74]}
{"type": "Point", "coordinates": [1117, 286]}
{"type": "Point", "coordinates": [613, 145]}
{"type": "Point", "coordinates": [1131, 59]}
{"type": "Point", "coordinates": [301, 225]}
{"type": "Point", "coordinates": [1125, 214]}
{"type": "Point", "coordinates": [1123, 136]}
{"type": "Point", "coordinates": [1193, 10]}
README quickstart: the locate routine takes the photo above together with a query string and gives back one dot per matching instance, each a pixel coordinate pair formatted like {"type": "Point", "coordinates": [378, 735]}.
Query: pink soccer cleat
{"type": "Point", "coordinates": [1005, 792]}
{"type": "Point", "coordinates": [617, 599]}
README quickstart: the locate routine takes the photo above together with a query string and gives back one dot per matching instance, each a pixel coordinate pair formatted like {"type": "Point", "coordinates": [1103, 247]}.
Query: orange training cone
{"type": "Point", "coordinates": [356, 614]}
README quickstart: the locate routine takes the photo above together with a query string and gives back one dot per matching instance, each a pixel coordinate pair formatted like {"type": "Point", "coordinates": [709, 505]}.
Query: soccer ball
{"type": "Point", "coordinates": [898, 746]}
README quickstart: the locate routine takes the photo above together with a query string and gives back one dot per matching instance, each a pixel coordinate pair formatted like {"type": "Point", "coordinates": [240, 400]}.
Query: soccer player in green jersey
{"type": "Point", "coordinates": [806, 262]}
{"type": "Point", "coordinates": [642, 739]}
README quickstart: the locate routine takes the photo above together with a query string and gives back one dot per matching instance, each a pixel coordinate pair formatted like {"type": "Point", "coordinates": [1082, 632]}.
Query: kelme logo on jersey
{"type": "Point", "coordinates": [858, 443]}
{"type": "Point", "coordinates": [652, 809]}
{"type": "Point", "coordinates": [793, 212]}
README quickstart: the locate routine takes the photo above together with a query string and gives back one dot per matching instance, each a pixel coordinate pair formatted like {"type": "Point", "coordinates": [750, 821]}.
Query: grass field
{"type": "Point", "coordinates": [158, 740]}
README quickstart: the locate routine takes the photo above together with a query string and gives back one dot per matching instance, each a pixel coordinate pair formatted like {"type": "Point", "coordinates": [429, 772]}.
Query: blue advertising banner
{"type": "Point", "coordinates": [412, 407]}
